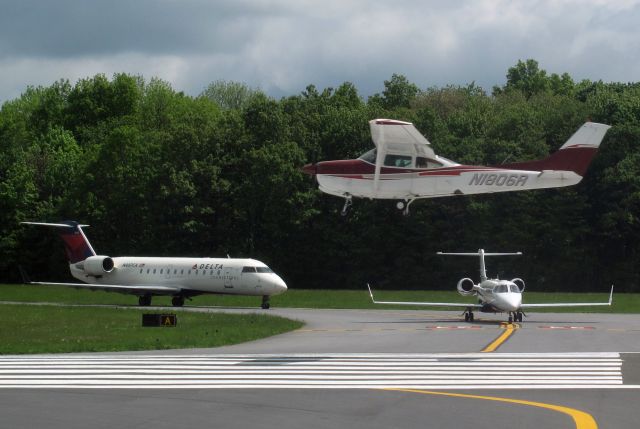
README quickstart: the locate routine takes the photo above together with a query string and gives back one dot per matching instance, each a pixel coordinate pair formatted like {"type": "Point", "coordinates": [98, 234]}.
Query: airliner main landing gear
{"type": "Point", "coordinates": [144, 300]}
{"type": "Point", "coordinates": [468, 315]}
{"type": "Point", "coordinates": [177, 301]}
{"type": "Point", "coordinates": [347, 205]}
{"type": "Point", "coordinates": [265, 302]}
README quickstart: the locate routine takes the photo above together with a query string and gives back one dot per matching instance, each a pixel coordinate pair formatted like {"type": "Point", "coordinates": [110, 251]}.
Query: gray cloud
{"type": "Point", "coordinates": [283, 45]}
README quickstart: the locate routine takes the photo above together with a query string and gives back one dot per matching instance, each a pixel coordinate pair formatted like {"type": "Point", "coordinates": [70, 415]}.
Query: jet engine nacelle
{"type": "Point", "coordinates": [519, 282]}
{"type": "Point", "coordinates": [97, 265]}
{"type": "Point", "coordinates": [466, 286]}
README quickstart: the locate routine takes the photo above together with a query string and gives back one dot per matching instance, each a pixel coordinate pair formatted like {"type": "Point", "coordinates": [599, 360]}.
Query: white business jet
{"type": "Point", "coordinates": [404, 167]}
{"type": "Point", "coordinates": [148, 276]}
{"type": "Point", "coordinates": [494, 295]}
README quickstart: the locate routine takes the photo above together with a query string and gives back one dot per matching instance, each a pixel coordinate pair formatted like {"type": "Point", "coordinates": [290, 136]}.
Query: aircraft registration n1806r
{"type": "Point", "coordinates": [148, 276]}
{"type": "Point", "coordinates": [494, 295]}
{"type": "Point", "coordinates": [404, 167]}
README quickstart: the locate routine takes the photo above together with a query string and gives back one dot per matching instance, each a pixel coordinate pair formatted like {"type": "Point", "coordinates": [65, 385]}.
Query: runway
{"type": "Point", "coordinates": [357, 368]}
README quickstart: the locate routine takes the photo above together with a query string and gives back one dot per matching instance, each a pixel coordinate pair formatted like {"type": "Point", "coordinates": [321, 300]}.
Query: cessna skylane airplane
{"type": "Point", "coordinates": [148, 276]}
{"type": "Point", "coordinates": [494, 295]}
{"type": "Point", "coordinates": [404, 167]}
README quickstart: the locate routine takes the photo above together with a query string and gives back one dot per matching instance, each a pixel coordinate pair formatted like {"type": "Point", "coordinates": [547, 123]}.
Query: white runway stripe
{"type": "Point", "coordinates": [419, 371]}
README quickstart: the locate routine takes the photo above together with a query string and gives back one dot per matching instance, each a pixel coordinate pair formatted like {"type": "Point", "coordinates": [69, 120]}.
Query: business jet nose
{"type": "Point", "coordinates": [311, 170]}
{"type": "Point", "coordinates": [512, 302]}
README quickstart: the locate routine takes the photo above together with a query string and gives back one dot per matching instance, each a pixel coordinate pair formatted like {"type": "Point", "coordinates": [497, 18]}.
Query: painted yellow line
{"type": "Point", "coordinates": [580, 418]}
{"type": "Point", "coordinates": [509, 329]}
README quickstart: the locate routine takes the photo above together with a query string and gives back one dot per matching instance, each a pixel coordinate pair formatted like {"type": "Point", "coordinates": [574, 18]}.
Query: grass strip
{"type": "Point", "coordinates": [319, 298]}
{"type": "Point", "coordinates": [47, 329]}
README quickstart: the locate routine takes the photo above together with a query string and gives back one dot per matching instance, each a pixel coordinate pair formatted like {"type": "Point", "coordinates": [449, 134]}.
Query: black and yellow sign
{"type": "Point", "coordinates": [160, 320]}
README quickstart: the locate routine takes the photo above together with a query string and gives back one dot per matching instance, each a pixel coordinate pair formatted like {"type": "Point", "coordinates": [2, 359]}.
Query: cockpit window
{"type": "Point", "coordinates": [264, 270]}
{"type": "Point", "coordinates": [248, 269]}
{"type": "Point", "coordinates": [514, 288]}
{"type": "Point", "coordinates": [422, 162]}
{"type": "Point", "coordinates": [369, 156]}
{"type": "Point", "coordinates": [397, 161]}
{"type": "Point", "coordinates": [500, 289]}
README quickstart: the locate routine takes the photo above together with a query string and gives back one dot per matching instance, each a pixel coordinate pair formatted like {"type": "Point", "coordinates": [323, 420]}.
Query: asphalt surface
{"type": "Point", "coordinates": [368, 337]}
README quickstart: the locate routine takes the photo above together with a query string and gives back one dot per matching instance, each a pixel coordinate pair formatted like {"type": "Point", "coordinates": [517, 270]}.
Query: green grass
{"type": "Point", "coordinates": [301, 298]}
{"type": "Point", "coordinates": [48, 329]}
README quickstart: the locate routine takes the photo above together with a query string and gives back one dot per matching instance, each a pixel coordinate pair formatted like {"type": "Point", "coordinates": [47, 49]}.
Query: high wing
{"type": "Point", "coordinates": [426, 304]}
{"type": "Point", "coordinates": [132, 289]}
{"type": "Point", "coordinates": [570, 304]}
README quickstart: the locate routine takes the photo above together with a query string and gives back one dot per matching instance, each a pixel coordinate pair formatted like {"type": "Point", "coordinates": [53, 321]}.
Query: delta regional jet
{"type": "Point", "coordinates": [404, 167]}
{"type": "Point", "coordinates": [494, 295]}
{"type": "Point", "coordinates": [149, 276]}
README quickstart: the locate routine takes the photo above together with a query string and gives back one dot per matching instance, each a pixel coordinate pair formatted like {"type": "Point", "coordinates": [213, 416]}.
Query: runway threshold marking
{"type": "Point", "coordinates": [581, 419]}
{"type": "Point", "coordinates": [509, 329]}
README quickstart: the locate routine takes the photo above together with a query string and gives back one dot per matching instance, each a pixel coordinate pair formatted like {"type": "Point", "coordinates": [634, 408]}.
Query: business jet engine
{"type": "Point", "coordinates": [466, 287]}
{"type": "Point", "coordinates": [519, 282]}
{"type": "Point", "coordinates": [97, 265]}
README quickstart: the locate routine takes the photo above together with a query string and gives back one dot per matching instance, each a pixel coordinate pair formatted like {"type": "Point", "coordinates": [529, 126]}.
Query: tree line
{"type": "Point", "coordinates": [158, 172]}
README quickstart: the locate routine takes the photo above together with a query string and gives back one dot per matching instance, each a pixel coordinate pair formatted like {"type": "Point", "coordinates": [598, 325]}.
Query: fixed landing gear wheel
{"type": "Point", "coordinates": [400, 205]}
{"type": "Point", "coordinates": [144, 300]}
{"type": "Point", "coordinates": [347, 205]}
{"type": "Point", "coordinates": [177, 301]}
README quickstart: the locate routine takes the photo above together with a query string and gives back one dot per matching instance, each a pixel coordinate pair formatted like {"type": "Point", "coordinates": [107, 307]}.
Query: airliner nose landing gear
{"type": "Point", "coordinates": [265, 302]}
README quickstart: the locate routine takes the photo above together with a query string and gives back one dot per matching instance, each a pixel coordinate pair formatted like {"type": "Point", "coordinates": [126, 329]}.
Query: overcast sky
{"type": "Point", "coordinates": [281, 46]}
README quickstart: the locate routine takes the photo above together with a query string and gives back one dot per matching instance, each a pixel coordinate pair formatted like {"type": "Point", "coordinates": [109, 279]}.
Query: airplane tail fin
{"type": "Point", "coordinates": [76, 244]}
{"type": "Point", "coordinates": [575, 155]}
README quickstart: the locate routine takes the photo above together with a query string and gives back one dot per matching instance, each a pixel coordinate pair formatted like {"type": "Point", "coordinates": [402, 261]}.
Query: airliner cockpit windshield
{"type": "Point", "coordinates": [257, 269]}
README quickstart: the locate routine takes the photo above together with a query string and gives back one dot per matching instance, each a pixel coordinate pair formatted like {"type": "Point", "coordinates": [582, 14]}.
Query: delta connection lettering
{"type": "Point", "coordinates": [502, 179]}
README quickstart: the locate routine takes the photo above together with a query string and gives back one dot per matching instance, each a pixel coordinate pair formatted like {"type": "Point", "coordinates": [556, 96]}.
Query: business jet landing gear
{"type": "Point", "coordinates": [515, 316]}
{"type": "Point", "coordinates": [404, 206]}
{"type": "Point", "coordinates": [468, 315]}
{"type": "Point", "coordinates": [177, 301]}
{"type": "Point", "coordinates": [347, 205]}
{"type": "Point", "coordinates": [144, 300]}
{"type": "Point", "coordinates": [265, 302]}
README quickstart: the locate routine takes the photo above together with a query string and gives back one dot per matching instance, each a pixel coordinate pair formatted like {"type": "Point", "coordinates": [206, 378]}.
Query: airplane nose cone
{"type": "Point", "coordinates": [280, 286]}
{"type": "Point", "coordinates": [310, 169]}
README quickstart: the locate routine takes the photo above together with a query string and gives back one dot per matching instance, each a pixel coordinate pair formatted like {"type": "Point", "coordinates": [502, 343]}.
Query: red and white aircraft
{"type": "Point", "coordinates": [146, 276]}
{"type": "Point", "coordinates": [494, 295]}
{"type": "Point", "coordinates": [404, 167]}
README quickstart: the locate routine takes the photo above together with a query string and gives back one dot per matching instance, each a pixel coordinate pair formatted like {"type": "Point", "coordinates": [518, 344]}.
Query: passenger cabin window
{"type": "Point", "coordinates": [248, 269]}
{"type": "Point", "coordinates": [264, 270]}
{"type": "Point", "coordinates": [422, 162]}
{"type": "Point", "coordinates": [402, 161]}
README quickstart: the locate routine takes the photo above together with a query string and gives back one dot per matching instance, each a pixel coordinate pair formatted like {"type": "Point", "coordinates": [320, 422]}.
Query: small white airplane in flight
{"type": "Point", "coordinates": [148, 276]}
{"type": "Point", "coordinates": [404, 167]}
{"type": "Point", "coordinates": [494, 295]}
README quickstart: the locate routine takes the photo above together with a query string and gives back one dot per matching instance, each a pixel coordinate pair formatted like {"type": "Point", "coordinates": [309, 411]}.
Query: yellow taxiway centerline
{"type": "Point", "coordinates": [581, 419]}
{"type": "Point", "coordinates": [509, 329]}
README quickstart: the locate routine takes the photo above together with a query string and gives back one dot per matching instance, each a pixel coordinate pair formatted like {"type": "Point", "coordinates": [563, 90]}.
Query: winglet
{"type": "Point", "coordinates": [371, 293]}
{"type": "Point", "coordinates": [23, 273]}
{"type": "Point", "coordinates": [611, 296]}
